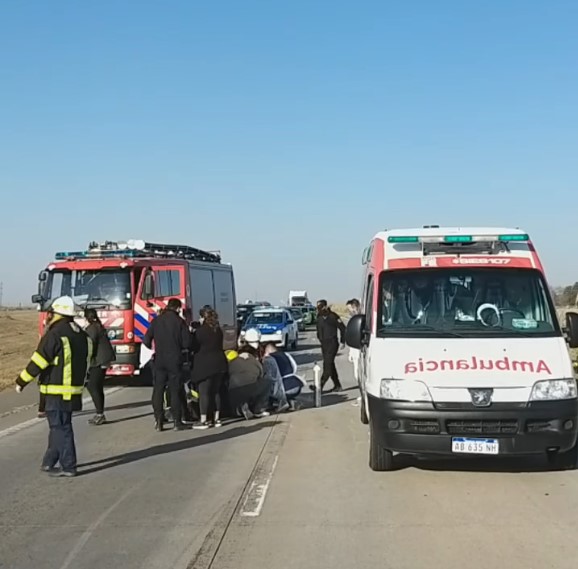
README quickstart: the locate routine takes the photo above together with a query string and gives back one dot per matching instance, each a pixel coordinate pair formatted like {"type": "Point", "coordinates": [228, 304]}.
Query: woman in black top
{"type": "Point", "coordinates": [209, 367]}
{"type": "Point", "coordinates": [102, 356]}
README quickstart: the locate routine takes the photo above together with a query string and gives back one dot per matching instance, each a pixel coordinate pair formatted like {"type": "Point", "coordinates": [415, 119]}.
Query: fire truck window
{"type": "Point", "coordinates": [224, 297]}
{"type": "Point", "coordinates": [202, 292]}
{"type": "Point", "coordinates": [167, 284]}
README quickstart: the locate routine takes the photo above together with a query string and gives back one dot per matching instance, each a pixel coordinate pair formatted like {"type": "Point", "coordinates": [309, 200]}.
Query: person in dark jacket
{"type": "Point", "coordinates": [248, 388]}
{"type": "Point", "coordinates": [209, 368]}
{"type": "Point", "coordinates": [60, 363]}
{"type": "Point", "coordinates": [102, 356]}
{"type": "Point", "coordinates": [330, 333]}
{"type": "Point", "coordinates": [292, 382]}
{"type": "Point", "coordinates": [172, 342]}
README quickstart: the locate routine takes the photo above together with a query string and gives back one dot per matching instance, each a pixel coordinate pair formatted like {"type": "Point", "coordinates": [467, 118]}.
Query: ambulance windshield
{"type": "Point", "coordinates": [106, 288]}
{"type": "Point", "coordinates": [473, 302]}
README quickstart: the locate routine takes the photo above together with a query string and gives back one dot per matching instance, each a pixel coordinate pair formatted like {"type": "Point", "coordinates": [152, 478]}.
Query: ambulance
{"type": "Point", "coordinates": [461, 351]}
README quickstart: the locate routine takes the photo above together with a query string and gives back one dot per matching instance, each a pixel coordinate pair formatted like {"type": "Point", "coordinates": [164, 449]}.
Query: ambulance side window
{"type": "Point", "coordinates": [369, 303]}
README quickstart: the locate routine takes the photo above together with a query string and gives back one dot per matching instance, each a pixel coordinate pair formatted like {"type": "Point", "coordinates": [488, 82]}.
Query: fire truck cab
{"type": "Point", "coordinates": [128, 283]}
{"type": "Point", "coordinates": [461, 351]}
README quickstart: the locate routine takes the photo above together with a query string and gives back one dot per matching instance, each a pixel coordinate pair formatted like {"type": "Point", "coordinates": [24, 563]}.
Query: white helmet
{"type": "Point", "coordinates": [64, 306]}
{"type": "Point", "coordinates": [253, 337]}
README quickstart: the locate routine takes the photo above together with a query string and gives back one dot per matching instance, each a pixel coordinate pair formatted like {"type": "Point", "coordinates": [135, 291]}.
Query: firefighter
{"type": "Point", "coordinates": [61, 363]}
{"type": "Point", "coordinates": [330, 330]}
{"type": "Point", "coordinates": [172, 343]}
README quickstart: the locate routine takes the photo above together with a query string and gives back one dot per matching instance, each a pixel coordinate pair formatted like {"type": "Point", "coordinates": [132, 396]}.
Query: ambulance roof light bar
{"type": "Point", "coordinates": [519, 237]}
{"type": "Point", "coordinates": [461, 244]}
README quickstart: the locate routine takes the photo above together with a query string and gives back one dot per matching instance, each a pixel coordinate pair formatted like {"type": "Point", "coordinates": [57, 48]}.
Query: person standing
{"type": "Point", "coordinates": [172, 342]}
{"type": "Point", "coordinates": [60, 363]}
{"type": "Point", "coordinates": [330, 333]}
{"type": "Point", "coordinates": [354, 308]}
{"type": "Point", "coordinates": [102, 356]}
{"type": "Point", "coordinates": [209, 368]}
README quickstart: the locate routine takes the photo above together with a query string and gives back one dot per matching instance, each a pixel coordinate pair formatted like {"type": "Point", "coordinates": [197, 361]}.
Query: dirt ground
{"type": "Point", "coordinates": [18, 339]}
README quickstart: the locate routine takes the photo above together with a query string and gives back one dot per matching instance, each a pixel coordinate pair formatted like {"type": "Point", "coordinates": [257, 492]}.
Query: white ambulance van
{"type": "Point", "coordinates": [461, 349]}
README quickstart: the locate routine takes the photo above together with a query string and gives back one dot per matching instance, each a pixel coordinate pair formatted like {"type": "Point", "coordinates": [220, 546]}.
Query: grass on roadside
{"type": "Point", "coordinates": [18, 339]}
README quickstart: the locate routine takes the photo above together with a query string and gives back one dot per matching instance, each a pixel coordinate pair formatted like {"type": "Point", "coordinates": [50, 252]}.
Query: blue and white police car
{"type": "Point", "coordinates": [275, 325]}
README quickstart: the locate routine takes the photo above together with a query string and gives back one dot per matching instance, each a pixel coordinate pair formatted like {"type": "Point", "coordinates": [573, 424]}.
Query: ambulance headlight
{"type": "Point", "coordinates": [554, 390]}
{"type": "Point", "coordinates": [404, 390]}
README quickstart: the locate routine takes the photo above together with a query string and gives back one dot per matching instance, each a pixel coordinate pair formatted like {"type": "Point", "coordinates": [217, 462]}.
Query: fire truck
{"type": "Point", "coordinates": [129, 283]}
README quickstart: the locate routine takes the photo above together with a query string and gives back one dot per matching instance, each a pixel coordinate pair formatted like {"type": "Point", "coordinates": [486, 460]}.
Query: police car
{"type": "Point", "coordinates": [275, 325]}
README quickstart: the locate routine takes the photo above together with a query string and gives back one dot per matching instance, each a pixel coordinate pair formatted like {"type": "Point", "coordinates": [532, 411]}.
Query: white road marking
{"type": "Point", "coordinates": [257, 493]}
{"type": "Point", "coordinates": [36, 421]}
{"type": "Point", "coordinates": [82, 541]}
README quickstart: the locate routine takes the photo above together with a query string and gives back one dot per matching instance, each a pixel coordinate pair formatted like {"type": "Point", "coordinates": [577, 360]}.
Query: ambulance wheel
{"type": "Point", "coordinates": [363, 411]}
{"type": "Point", "coordinates": [564, 460]}
{"type": "Point", "coordinates": [380, 459]}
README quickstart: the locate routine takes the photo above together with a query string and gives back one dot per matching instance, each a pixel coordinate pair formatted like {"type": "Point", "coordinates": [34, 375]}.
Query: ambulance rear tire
{"type": "Point", "coordinates": [380, 459]}
{"type": "Point", "coordinates": [363, 412]}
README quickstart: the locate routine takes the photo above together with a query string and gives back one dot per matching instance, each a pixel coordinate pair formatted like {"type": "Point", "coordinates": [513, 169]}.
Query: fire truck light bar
{"type": "Point", "coordinates": [520, 237]}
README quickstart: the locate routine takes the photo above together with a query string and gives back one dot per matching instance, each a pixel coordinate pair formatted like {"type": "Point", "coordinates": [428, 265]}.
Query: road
{"type": "Point", "coordinates": [292, 491]}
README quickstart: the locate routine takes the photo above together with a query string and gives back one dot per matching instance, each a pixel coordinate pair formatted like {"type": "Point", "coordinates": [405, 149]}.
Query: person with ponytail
{"type": "Point", "coordinates": [209, 368]}
{"type": "Point", "coordinates": [102, 356]}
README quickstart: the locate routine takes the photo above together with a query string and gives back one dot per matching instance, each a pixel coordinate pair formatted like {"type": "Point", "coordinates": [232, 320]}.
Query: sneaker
{"type": "Point", "coordinates": [262, 414]}
{"type": "Point", "coordinates": [63, 473]}
{"type": "Point", "coordinates": [41, 415]}
{"type": "Point", "coordinates": [98, 419]}
{"type": "Point", "coordinates": [48, 469]}
{"type": "Point", "coordinates": [201, 426]}
{"type": "Point", "coordinates": [159, 426]}
{"type": "Point", "coordinates": [217, 423]}
{"type": "Point", "coordinates": [181, 427]}
{"type": "Point", "coordinates": [246, 412]}
{"type": "Point", "coordinates": [283, 408]}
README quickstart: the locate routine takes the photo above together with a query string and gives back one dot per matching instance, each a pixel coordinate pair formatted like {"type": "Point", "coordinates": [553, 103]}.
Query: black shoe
{"type": "Point", "coordinates": [159, 426]}
{"type": "Point", "coordinates": [181, 427]}
{"type": "Point", "coordinates": [337, 389]}
{"type": "Point", "coordinates": [62, 473]}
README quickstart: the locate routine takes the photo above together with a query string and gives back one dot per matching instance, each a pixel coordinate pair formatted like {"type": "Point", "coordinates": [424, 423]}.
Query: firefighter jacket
{"type": "Point", "coordinates": [60, 363]}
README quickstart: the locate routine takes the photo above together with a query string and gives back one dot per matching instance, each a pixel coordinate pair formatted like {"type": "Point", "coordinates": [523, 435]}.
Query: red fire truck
{"type": "Point", "coordinates": [128, 283]}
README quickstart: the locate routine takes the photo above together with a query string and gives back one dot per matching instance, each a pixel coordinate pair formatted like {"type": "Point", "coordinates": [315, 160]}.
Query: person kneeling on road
{"type": "Point", "coordinates": [248, 389]}
{"type": "Point", "coordinates": [61, 364]}
{"type": "Point", "coordinates": [292, 382]}
{"type": "Point", "coordinates": [274, 378]}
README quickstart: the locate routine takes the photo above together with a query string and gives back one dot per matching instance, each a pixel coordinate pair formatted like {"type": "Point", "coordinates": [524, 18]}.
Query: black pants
{"type": "Point", "coordinates": [256, 395]}
{"type": "Point", "coordinates": [168, 378]}
{"type": "Point", "coordinates": [329, 351]}
{"type": "Point", "coordinates": [61, 448]}
{"type": "Point", "coordinates": [210, 394]}
{"type": "Point", "coordinates": [95, 386]}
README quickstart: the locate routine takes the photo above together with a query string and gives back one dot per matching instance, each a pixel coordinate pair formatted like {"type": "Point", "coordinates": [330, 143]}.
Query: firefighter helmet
{"type": "Point", "coordinates": [64, 305]}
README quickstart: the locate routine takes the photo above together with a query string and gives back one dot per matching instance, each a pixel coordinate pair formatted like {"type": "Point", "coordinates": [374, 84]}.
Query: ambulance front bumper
{"type": "Point", "coordinates": [519, 428]}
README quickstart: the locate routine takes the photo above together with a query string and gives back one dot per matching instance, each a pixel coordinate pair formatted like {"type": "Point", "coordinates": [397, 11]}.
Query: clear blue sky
{"type": "Point", "coordinates": [284, 133]}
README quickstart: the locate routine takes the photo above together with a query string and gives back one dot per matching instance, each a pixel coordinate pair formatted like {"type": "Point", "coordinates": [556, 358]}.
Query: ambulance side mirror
{"type": "Point", "coordinates": [356, 333]}
{"type": "Point", "coordinates": [572, 329]}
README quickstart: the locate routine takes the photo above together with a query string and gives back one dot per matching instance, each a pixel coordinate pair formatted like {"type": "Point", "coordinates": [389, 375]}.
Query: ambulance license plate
{"type": "Point", "coordinates": [475, 446]}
